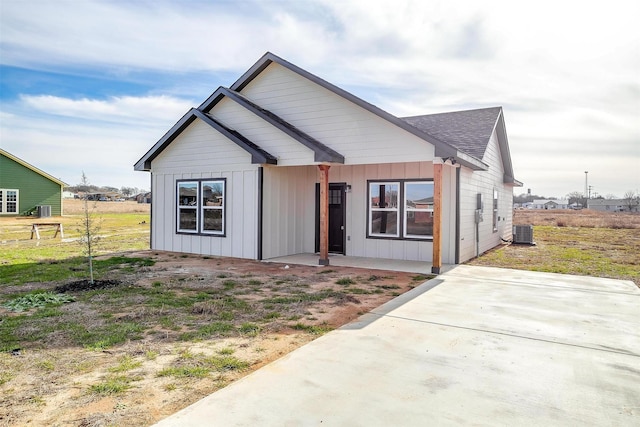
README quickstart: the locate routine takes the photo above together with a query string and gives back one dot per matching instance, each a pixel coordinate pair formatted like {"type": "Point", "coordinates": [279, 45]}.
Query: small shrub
{"type": "Point", "coordinates": [37, 300]}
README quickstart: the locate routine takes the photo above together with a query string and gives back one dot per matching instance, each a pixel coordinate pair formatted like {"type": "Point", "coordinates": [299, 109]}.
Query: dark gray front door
{"type": "Point", "coordinates": [337, 216]}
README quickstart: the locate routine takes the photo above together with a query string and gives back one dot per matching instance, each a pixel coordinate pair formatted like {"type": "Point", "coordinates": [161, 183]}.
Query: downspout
{"type": "Point", "coordinates": [457, 255]}
{"type": "Point", "coordinates": [151, 213]}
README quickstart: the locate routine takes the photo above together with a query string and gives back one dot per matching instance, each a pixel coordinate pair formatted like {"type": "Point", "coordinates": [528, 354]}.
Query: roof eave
{"type": "Point", "coordinates": [144, 164]}
{"type": "Point", "coordinates": [258, 155]}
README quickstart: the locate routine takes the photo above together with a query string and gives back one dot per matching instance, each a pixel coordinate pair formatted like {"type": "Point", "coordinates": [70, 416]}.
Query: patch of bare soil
{"type": "Point", "coordinates": [56, 383]}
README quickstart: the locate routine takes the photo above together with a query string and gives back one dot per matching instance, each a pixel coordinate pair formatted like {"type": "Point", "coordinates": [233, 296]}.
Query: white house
{"type": "Point", "coordinates": [283, 162]}
{"type": "Point", "coordinates": [614, 205]}
{"type": "Point", "coordinates": [549, 204]}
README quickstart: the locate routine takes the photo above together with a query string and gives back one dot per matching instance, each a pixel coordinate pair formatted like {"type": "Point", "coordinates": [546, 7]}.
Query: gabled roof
{"type": "Point", "coordinates": [469, 131]}
{"type": "Point", "coordinates": [33, 168]}
{"type": "Point", "coordinates": [464, 151]}
{"type": "Point", "coordinates": [258, 155]}
{"type": "Point", "coordinates": [442, 149]}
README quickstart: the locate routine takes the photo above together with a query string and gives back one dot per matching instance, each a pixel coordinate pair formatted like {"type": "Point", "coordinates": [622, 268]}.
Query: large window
{"type": "Point", "coordinates": [383, 209]}
{"type": "Point", "coordinates": [8, 201]}
{"type": "Point", "coordinates": [418, 213]}
{"type": "Point", "coordinates": [400, 209]}
{"type": "Point", "coordinates": [201, 206]}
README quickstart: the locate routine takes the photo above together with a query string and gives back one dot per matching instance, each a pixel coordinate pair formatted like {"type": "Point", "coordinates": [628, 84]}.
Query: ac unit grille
{"type": "Point", "coordinates": [44, 211]}
{"type": "Point", "coordinates": [523, 234]}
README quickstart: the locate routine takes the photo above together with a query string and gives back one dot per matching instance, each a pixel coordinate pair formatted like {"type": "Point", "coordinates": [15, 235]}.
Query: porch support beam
{"type": "Point", "coordinates": [436, 263]}
{"type": "Point", "coordinates": [324, 214]}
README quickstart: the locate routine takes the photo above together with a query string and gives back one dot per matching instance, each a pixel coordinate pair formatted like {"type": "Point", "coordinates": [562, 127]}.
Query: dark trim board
{"type": "Point", "coordinates": [260, 210]}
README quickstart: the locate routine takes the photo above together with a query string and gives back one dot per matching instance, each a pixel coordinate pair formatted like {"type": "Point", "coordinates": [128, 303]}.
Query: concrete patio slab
{"type": "Point", "coordinates": [474, 346]}
{"type": "Point", "coordinates": [421, 267]}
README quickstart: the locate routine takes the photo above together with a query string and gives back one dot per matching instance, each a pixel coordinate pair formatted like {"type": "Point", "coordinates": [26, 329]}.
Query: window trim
{"type": "Point", "coordinates": [199, 208]}
{"type": "Point", "coordinates": [401, 210]}
{"type": "Point", "coordinates": [4, 201]}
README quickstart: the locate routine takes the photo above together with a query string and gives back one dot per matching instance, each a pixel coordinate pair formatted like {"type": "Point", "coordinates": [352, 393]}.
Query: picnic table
{"type": "Point", "coordinates": [35, 229]}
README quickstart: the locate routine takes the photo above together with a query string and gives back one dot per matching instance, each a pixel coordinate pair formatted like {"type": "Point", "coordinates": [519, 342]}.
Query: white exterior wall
{"type": "Point", "coordinates": [290, 211]}
{"type": "Point", "coordinates": [288, 222]}
{"type": "Point", "coordinates": [201, 152]}
{"type": "Point", "coordinates": [472, 183]}
{"type": "Point", "coordinates": [359, 135]}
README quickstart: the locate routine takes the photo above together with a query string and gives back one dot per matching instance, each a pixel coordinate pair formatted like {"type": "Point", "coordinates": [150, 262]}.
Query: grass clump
{"type": "Point", "coordinates": [197, 365]}
{"type": "Point", "coordinates": [127, 363]}
{"type": "Point", "coordinates": [312, 329]}
{"type": "Point", "coordinates": [112, 385]}
{"type": "Point", "coordinates": [37, 300]}
{"type": "Point", "coordinates": [345, 281]}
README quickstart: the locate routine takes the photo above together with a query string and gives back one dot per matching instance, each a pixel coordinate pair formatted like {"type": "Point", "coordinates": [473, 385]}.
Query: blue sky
{"type": "Point", "coordinates": [92, 85]}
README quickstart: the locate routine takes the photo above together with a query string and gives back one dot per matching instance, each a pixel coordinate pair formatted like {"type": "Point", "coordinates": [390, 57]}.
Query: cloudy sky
{"type": "Point", "coordinates": [92, 85]}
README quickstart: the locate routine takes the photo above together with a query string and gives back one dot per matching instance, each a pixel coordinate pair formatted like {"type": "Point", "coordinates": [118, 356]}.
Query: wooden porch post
{"type": "Point", "coordinates": [437, 218]}
{"type": "Point", "coordinates": [324, 214]}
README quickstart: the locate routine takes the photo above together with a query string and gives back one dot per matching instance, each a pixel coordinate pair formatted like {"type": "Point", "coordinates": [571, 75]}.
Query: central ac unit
{"type": "Point", "coordinates": [523, 234]}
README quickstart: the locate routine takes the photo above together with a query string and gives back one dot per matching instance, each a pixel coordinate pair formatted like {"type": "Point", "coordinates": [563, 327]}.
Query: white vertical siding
{"type": "Point", "coordinates": [200, 152]}
{"type": "Point", "coordinates": [361, 136]}
{"type": "Point", "coordinates": [289, 197]}
{"type": "Point", "coordinates": [472, 183]}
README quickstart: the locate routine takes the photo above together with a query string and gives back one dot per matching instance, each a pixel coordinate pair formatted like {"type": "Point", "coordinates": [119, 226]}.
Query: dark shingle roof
{"type": "Point", "coordinates": [468, 131]}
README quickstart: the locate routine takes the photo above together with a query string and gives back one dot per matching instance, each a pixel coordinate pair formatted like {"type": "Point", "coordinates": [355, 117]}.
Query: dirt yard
{"type": "Point", "coordinates": [52, 382]}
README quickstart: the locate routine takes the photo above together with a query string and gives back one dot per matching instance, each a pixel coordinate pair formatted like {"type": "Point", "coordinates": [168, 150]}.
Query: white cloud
{"type": "Point", "coordinates": [102, 137]}
{"type": "Point", "coordinates": [567, 73]}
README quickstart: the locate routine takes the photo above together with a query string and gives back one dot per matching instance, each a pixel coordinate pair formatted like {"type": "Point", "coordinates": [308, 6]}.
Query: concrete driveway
{"type": "Point", "coordinates": [475, 346]}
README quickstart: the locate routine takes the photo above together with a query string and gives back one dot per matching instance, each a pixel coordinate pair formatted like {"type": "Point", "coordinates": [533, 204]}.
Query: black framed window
{"type": "Point", "coordinates": [201, 206]}
{"type": "Point", "coordinates": [400, 209]}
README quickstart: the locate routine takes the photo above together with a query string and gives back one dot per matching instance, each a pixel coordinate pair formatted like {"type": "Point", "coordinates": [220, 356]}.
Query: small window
{"type": "Point", "coordinates": [200, 207]}
{"type": "Point", "coordinates": [8, 201]}
{"type": "Point", "coordinates": [418, 209]}
{"type": "Point", "coordinates": [495, 209]}
{"type": "Point", "coordinates": [383, 209]}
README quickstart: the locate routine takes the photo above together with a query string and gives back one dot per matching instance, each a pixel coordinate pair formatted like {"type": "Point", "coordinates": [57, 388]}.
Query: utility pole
{"type": "Point", "coordinates": [586, 184]}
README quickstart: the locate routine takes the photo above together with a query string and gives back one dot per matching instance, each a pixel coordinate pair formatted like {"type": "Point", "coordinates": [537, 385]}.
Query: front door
{"type": "Point", "coordinates": [337, 216]}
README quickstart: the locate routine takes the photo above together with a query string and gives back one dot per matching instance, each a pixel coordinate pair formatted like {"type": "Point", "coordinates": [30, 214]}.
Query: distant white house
{"type": "Point", "coordinates": [549, 204]}
{"type": "Point", "coordinates": [612, 205]}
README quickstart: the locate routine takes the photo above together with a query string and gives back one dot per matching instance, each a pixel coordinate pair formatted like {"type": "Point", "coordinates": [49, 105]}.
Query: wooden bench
{"type": "Point", "coordinates": [35, 229]}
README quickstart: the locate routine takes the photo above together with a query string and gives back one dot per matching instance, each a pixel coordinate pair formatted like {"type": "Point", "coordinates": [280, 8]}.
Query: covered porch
{"type": "Point", "coordinates": [311, 259]}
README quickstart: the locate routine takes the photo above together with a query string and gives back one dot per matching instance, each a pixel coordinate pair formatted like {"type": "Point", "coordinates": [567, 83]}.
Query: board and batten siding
{"type": "Point", "coordinates": [290, 211]}
{"type": "Point", "coordinates": [200, 152]}
{"type": "Point", "coordinates": [34, 189]}
{"type": "Point", "coordinates": [484, 182]}
{"type": "Point", "coordinates": [359, 135]}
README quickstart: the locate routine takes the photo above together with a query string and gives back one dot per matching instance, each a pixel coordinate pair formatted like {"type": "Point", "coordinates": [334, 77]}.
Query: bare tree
{"type": "Point", "coordinates": [89, 229]}
{"type": "Point", "coordinates": [577, 197]}
{"type": "Point", "coordinates": [631, 200]}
